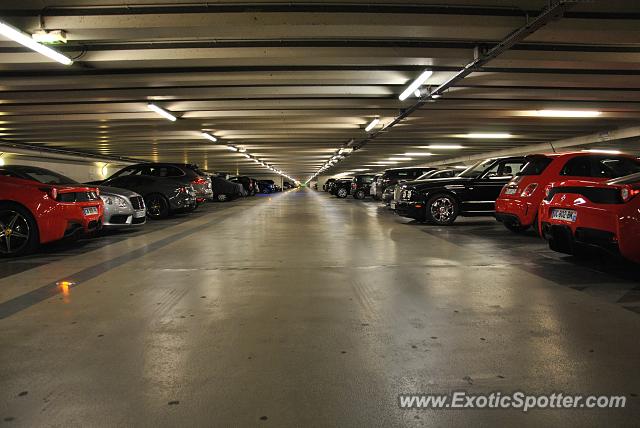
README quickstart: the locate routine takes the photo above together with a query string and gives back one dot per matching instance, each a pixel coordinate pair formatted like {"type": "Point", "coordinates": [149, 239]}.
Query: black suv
{"type": "Point", "coordinates": [341, 187]}
{"type": "Point", "coordinates": [473, 192]}
{"type": "Point", "coordinates": [361, 185]}
{"type": "Point", "coordinates": [328, 184]}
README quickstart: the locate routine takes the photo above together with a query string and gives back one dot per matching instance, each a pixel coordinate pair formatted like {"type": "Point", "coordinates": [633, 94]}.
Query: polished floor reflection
{"type": "Point", "coordinates": [300, 309]}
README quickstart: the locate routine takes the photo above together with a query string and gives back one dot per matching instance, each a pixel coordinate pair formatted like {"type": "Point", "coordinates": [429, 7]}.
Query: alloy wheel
{"type": "Point", "coordinates": [442, 209]}
{"type": "Point", "coordinates": [14, 232]}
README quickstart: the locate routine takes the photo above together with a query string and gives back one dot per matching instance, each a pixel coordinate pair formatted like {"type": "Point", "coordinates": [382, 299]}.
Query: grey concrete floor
{"type": "Point", "coordinates": [304, 310]}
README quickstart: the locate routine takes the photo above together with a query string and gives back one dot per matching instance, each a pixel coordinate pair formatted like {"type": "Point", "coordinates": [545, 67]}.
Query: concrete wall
{"type": "Point", "coordinates": [79, 170]}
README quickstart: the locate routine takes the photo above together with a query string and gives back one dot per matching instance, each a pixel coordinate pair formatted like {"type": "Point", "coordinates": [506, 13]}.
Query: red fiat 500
{"type": "Point", "coordinates": [517, 206]}
{"type": "Point", "coordinates": [44, 209]}
{"type": "Point", "coordinates": [606, 215]}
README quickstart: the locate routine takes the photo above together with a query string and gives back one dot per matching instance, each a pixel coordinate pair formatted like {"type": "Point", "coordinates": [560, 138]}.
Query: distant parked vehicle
{"type": "Point", "coordinates": [341, 188]}
{"type": "Point", "coordinates": [328, 184]}
{"type": "Point", "coordinates": [225, 190]}
{"type": "Point", "coordinates": [474, 192]}
{"type": "Point", "coordinates": [393, 176]}
{"type": "Point", "coordinates": [361, 185]}
{"type": "Point", "coordinates": [287, 185]}
{"type": "Point", "coordinates": [166, 188]}
{"type": "Point", "coordinates": [247, 182]}
{"type": "Point", "coordinates": [44, 207]}
{"type": "Point", "coordinates": [267, 186]}
{"type": "Point", "coordinates": [439, 173]}
{"type": "Point", "coordinates": [577, 213]}
{"type": "Point", "coordinates": [517, 206]}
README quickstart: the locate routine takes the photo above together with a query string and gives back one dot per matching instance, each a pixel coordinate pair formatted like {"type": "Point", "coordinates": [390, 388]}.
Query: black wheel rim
{"type": "Point", "coordinates": [14, 232]}
{"type": "Point", "coordinates": [154, 207]}
{"type": "Point", "coordinates": [342, 193]}
{"type": "Point", "coordinates": [442, 209]}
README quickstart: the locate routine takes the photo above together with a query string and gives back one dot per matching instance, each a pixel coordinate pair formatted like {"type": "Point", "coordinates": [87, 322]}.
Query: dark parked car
{"type": "Point", "coordinates": [472, 192]}
{"type": "Point", "coordinates": [341, 187]}
{"type": "Point", "coordinates": [166, 188]}
{"type": "Point", "coordinates": [268, 186]}
{"type": "Point", "coordinates": [393, 176]}
{"type": "Point", "coordinates": [225, 190]}
{"type": "Point", "coordinates": [361, 185]}
{"type": "Point", "coordinates": [439, 173]}
{"type": "Point", "coordinates": [287, 185]}
{"type": "Point", "coordinates": [328, 185]}
{"type": "Point", "coordinates": [247, 182]}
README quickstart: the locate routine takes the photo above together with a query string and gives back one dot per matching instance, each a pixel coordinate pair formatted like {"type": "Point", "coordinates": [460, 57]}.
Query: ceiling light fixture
{"type": "Point", "coordinates": [418, 154]}
{"type": "Point", "coordinates": [372, 124]}
{"type": "Point", "coordinates": [603, 151]}
{"type": "Point", "coordinates": [443, 147]}
{"type": "Point", "coordinates": [27, 41]}
{"type": "Point", "coordinates": [566, 113]}
{"type": "Point", "coordinates": [162, 112]}
{"type": "Point", "coordinates": [415, 85]}
{"type": "Point", "coordinates": [486, 135]}
{"type": "Point", "coordinates": [233, 149]}
{"type": "Point", "coordinates": [242, 150]}
{"type": "Point", "coordinates": [209, 137]}
{"type": "Point", "coordinates": [399, 159]}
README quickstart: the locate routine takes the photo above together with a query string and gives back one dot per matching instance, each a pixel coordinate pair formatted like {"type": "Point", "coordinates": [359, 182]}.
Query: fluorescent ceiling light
{"type": "Point", "coordinates": [604, 152]}
{"type": "Point", "coordinates": [209, 137]}
{"type": "Point", "coordinates": [418, 154]}
{"type": "Point", "coordinates": [399, 159]}
{"type": "Point", "coordinates": [486, 135]}
{"type": "Point", "coordinates": [566, 113]}
{"type": "Point", "coordinates": [233, 149]}
{"type": "Point", "coordinates": [415, 85]}
{"type": "Point", "coordinates": [361, 169]}
{"type": "Point", "coordinates": [443, 147]}
{"type": "Point", "coordinates": [386, 162]}
{"type": "Point", "coordinates": [417, 93]}
{"type": "Point", "coordinates": [246, 156]}
{"type": "Point", "coordinates": [162, 112]}
{"type": "Point", "coordinates": [460, 167]}
{"type": "Point", "coordinates": [372, 124]}
{"type": "Point", "coordinates": [26, 40]}
{"type": "Point", "coordinates": [242, 150]}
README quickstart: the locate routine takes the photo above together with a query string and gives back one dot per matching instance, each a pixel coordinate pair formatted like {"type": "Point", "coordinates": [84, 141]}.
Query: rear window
{"type": "Point", "coordinates": [535, 165]}
{"type": "Point", "coordinates": [627, 179]}
{"type": "Point", "coordinates": [600, 166]}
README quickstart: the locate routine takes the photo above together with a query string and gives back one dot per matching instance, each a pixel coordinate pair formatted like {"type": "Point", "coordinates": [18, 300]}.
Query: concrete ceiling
{"type": "Point", "coordinates": [293, 82]}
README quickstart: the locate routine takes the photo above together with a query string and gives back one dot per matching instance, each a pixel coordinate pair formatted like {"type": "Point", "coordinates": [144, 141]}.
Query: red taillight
{"type": "Point", "coordinates": [353, 186]}
{"type": "Point", "coordinates": [628, 193]}
{"type": "Point", "coordinates": [182, 190]}
{"type": "Point", "coordinates": [528, 191]}
{"type": "Point", "coordinates": [199, 180]}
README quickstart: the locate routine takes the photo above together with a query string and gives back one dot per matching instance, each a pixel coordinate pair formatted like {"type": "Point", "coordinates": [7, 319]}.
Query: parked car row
{"type": "Point", "coordinates": [39, 206]}
{"type": "Point", "coordinates": [571, 199]}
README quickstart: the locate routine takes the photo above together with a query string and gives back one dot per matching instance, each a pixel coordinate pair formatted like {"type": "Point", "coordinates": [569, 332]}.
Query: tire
{"type": "Point", "coordinates": [359, 194]}
{"type": "Point", "coordinates": [157, 206]}
{"type": "Point", "coordinates": [442, 209]}
{"type": "Point", "coordinates": [23, 235]}
{"type": "Point", "coordinates": [342, 193]}
{"type": "Point", "coordinates": [222, 197]}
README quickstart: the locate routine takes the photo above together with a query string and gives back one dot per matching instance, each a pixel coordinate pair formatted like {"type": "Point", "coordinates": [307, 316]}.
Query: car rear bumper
{"type": "Point", "coordinates": [585, 236]}
{"type": "Point", "coordinates": [516, 211]}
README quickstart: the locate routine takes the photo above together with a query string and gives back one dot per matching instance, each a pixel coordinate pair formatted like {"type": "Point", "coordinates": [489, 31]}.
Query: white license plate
{"type": "Point", "coordinates": [511, 191]}
{"type": "Point", "coordinates": [90, 210]}
{"type": "Point", "coordinates": [566, 215]}
{"type": "Point", "coordinates": [139, 214]}
{"type": "Point", "coordinates": [392, 205]}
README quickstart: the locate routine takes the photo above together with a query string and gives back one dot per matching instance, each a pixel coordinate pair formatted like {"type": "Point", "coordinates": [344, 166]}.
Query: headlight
{"type": "Point", "coordinates": [114, 200]}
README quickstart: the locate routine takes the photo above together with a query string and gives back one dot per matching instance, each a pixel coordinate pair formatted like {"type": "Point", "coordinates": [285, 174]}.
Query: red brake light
{"type": "Point", "coordinates": [628, 193]}
{"type": "Point", "coordinates": [199, 180]}
{"type": "Point", "coordinates": [528, 191]}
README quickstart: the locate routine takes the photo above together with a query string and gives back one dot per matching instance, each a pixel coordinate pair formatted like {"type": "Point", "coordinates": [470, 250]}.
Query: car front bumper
{"type": "Point", "coordinates": [410, 209]}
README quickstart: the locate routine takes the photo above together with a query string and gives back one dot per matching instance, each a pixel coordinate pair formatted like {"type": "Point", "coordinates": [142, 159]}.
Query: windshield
{"type": "Point", "coordinates": [476, 170]}
{"type": "Point", "coordinates": [44, 175]}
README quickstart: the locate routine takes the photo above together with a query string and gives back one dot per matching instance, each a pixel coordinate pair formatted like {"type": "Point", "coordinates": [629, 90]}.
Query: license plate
{"type": "Point", "coordinates": [139, 214]}
{"type": "Point", "coordinates": [90, 210]}
{"type": "Point", "coordinates": [511, 191]}
{"type": "Point", "coordinates": [392, 205]}
{"type": "Point", "coordinates": [566, 215]}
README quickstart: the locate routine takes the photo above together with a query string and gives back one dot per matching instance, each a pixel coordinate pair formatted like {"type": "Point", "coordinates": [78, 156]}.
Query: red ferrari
{"type": "Point", "coordinates": [517, 205]}
{"type": "Point", "coordinates": [44, 209]}
{"type": "Point", "coordinates": [605, 215]}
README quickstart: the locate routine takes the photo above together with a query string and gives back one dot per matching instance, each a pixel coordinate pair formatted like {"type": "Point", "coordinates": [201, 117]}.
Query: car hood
{"type": "Point", "coordinates": [435, 182]}
{"type": "Point", "coordinates": [116, 191]}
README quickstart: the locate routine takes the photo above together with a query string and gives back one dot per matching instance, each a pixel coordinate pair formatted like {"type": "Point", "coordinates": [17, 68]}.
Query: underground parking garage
{"type": "Point", "coordinates": [319, 214]}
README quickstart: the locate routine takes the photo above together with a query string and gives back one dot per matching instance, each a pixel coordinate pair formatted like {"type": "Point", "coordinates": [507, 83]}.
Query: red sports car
{"type": "Point", "coordinates": [606, 215]}
{"type": "Point", "coordinates": [517, 206]}
{"type": "Point", "coordinates": [45, 209]}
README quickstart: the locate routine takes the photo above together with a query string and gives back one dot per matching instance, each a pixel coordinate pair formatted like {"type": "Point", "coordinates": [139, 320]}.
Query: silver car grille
{"type": "Point", "coordinates": [137, 202]}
